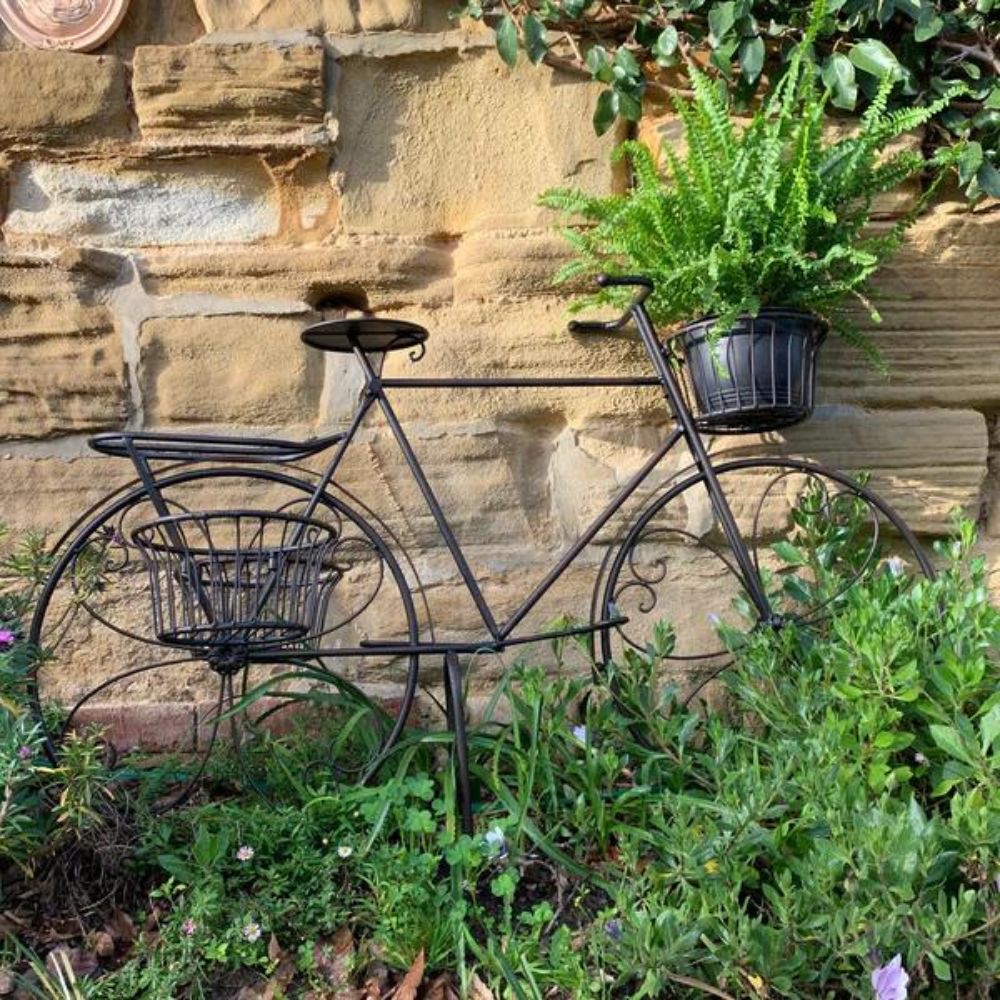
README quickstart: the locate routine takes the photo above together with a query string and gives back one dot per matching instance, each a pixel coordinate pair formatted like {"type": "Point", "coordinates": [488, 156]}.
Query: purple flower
{"type": "Point", "coordinates": [614, 930]}
{"type": "Point", "coordinates": [889, 981]}
{"type": "Point", "coordinates": [188, 927]}
{"type": "Point", "coordinates": [251, 931]}
{"type": "Point", "coordinates": [245, 853]}
{"type": "Point", "coordinates": [580, 734]}
{"type": "Point", "coordinates": [25, 752]}
{"type": "Point", "coordinates": [7, 638]}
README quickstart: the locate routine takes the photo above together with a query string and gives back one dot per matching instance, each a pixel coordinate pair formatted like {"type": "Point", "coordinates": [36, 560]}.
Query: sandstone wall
{"type": "Point", "coordinates": [175, 207]}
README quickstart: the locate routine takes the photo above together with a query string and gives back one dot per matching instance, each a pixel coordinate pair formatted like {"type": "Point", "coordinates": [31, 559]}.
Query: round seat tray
{"type": "Point", "coordinates": [369, 334]}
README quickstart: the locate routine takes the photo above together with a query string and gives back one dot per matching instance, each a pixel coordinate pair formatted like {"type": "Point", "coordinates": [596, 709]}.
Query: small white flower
{"type": "Point", "coordinates": [580, 734]}
{"type": "Point", "coordinates": [895, 565]}
{"type": "Point", "coordinates": [919, 758]}
{"type": "Point", "coordinates": [245, 853]}
{"type": "Point", "coordinates": [345, 851]}
{"type": "Point", "coordinates": [251, 931]}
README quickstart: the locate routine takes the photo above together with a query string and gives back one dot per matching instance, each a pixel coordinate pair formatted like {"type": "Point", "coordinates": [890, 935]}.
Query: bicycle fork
{"type": "Point", "coordinates": [703, 462]}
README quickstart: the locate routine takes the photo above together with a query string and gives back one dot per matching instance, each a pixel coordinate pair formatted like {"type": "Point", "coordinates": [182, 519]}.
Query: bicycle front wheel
{"type": "Point", "coordinates": [811, 533]}
{"type": "Point", "coordinates": [103, 661]}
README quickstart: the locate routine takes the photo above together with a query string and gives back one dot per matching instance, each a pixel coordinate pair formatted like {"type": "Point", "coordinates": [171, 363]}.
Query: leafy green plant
{"type": "Point", "coordinates": [771, 214]}
{"type": "Point", "coordinates": [642, 51]}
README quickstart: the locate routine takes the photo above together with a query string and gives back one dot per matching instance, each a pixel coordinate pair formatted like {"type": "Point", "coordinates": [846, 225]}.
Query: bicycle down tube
{"type": "Point", "coordinates": [502, 632]}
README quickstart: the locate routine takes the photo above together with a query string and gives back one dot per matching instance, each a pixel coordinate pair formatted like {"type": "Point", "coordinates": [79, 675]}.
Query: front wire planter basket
{"type": "Point", "coordinates": [760, 375]}
{"type": "Point", "coordinates": [235, 583]}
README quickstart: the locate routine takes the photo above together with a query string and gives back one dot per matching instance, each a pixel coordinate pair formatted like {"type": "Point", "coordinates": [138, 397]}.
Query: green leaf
{"type": "Point", "coordinates": [942, 970]}
{"type": "Point", "coordinates": [626, 62]}
{"type": "Point", "coordinates": [721, 18]}
{"type": "Point", "coordinates": [507, 40]}
{"type": "Point", "coordinates": [874, 57]}
{"type": "Point", "coordinates": [606, 111]}
{"type": "Point", "coordinates": [993, 101]}
{"type": "Point", "coordinates": [535, 39]}
{"type": "Point", "coordinates": [969, 162]}
{"type": "Point", "coordinates": [789, 553]}
{"type": "Point", "coordinates": [988, 178]}
{"type": "Point", "coordinates": [751, 58]}
{"type": "Point", "coordinates": [989, 727]}
{"type": "Point", "coordinates": [838, 76]}
{"type": "Point", "coordinates": [929, 24]}
{"type": "Point", "coordinates": [950, 742]}
{"type": "Point", "coordinates": [599, 64]}
{"type": "Point", "coordinates": [666, 45]}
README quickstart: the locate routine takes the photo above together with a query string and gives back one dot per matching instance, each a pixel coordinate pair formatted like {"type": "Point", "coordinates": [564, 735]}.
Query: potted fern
{"type": "Point", "coordinates": [756, 238]}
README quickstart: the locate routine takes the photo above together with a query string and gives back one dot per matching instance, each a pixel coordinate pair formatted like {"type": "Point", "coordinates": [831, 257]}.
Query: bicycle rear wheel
{"type": "Point", "coordinates": [812, 534]}
{"type": "Point", "coordinates": [107, 660]}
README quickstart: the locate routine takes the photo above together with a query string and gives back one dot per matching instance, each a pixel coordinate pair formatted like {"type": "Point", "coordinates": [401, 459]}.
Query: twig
{"type": "Point", "coordinates": [697, 984]}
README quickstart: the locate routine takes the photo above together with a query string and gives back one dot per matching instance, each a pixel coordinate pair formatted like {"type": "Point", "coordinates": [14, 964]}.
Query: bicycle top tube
{"type": "Point", "coordinates": [363, 336]}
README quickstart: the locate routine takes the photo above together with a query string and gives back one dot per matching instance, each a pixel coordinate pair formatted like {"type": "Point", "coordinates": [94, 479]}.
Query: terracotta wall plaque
{"type": "Point", "coordinates": [63, 24]}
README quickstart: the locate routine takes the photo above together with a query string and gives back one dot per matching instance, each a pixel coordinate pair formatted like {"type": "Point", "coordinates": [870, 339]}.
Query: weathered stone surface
{"type": "Point", "coordinates": [407, 169]}
{"type": "Point", "coordinates": [155, 22]}
{"type": "Point", "coordinates": [61, 98]}
{"type": "Point", "coordinates": [522, 339]}
{"type": "Point", "coordinates": [378, 272]}
{"type": "Point", "coordinates": [239, 95]}
{"type": "Point", "coordinates": [941, 320]}
{"type": "Point", "coordinates": [926, 463]}
{"type": "Point", "coordinates": [60, 358]}
{"type": "Point", "coordinates": [149, 726]}
{"type": "Point", "coordinates": [223, 200]}
{"type": "Point", "coordinates": [229, 369]}
{"type": "Point", "coordinates": [310, 15]}
{"type": "Point", "coordinates": [46, 493]}
{"type": "Point", "coordinates": [509, 265]}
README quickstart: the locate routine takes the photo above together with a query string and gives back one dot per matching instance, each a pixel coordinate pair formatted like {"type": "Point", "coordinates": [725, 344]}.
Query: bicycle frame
{"type": "Point", "coordinates": [501, 632]}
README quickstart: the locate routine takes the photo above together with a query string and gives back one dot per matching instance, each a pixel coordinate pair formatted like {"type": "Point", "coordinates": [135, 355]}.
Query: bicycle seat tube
{"type": "Point", "coordinates": [702, 459]}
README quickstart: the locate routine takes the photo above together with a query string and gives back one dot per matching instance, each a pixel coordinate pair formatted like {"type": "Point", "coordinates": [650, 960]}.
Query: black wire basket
{"type": "Point", "coordinates": [240, 581]}
{"type": "Point", "coordinates": [760, 375]}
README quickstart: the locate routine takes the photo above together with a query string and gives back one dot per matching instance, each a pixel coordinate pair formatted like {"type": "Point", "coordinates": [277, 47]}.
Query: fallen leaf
{"type": "Point", "coordinates": [273, 949]}
{"type": "Point", "coordinates": [79, 960]}
{"type": "Point", "coordinates": [441, 988]}
{"type": "Point", "coordinates": [478, 990]}
{"type": "Point", "coordinates": [103, 944]}
{"type": "Point", "coordinates": [120, 927]}
{"type": "Point", "coordinates": [410, 983]}
{"type": "Point", "coordinates": [7, 983]}
{"type": "Point", "coordinates": [333, 958]}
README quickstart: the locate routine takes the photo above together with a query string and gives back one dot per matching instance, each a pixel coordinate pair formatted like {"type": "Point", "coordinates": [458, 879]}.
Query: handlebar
{"type": "Point", "coordinates": [645, 287]}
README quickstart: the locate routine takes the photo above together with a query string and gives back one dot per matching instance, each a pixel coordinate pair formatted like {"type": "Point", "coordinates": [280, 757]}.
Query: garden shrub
{"type": "Point", "coordinates": [842, 810]}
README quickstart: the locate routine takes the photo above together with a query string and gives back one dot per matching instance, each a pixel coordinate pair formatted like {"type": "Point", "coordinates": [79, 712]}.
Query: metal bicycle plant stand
{"type": "Point", "coordinates": [292, 592]}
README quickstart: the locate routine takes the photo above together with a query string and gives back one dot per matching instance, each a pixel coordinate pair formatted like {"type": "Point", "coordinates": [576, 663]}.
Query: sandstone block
{"type": "Point", "coordinates": [45, 493]}
{"type": "Point", "coordinates": [224, 200]}
{"type": "Point", "coordinates": [230, 95]}
{"type": "Point", "coordinates": [61, 98]}
{"type": "Point", "coordinates": [522, 339]}
{"type": "Point", "coordinates": [369, 271]}
{"type": "Point", "coordinates": [940, 332]}
{"type": "Point", "coordinates": [61, 368]}
{"type": "Point", "coordinates": [309, 15]}
{"type": "Point", "coordinates": [407, 169]}
{"type": "Point", "coordinates": [228, 370]}
{"type": "Point", "coordinates": [925, 463]}
{"type": "Point", "coordinates": [509, 265]}
{"type": "Point", "coordinates": [166, 726]}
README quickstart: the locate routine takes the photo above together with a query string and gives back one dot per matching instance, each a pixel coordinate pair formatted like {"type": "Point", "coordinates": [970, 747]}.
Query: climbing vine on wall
{"type": "Point", "coordinates": [640, 48]}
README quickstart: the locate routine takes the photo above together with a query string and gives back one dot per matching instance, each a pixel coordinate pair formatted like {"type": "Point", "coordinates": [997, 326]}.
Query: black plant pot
{"type": "Point", "coordinates": [759, 375]}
